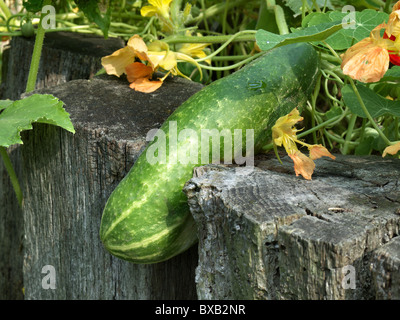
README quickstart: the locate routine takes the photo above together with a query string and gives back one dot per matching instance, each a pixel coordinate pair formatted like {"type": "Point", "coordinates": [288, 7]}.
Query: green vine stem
{"type": "Point", "coordinates": [208, 39]}
{"type": "Point", "coordinates": [323, 125]}
{"type": "Point", "coordinates": [364, 108]}
{"type": "Point", "coordinates": [349, 134]}
{"type": "Point", "coordinates": [313, 105]}
{"type": "Point", "coordinates": [280, 20]}
{"type": "Point", "coordinates": [227, 42]}
{"type": "Point", "coordinates": [360, 100]}
{"type": "Point", "coordinates": [215, 10]}
{"type": "Point", "coordinates": [387, 6]}
{"type": "Point", "coordinates": [37, 52]}
{"type": "Point", "coordinates": [29, 87]}
{"type": "Point", "coordinates": [12, 174]}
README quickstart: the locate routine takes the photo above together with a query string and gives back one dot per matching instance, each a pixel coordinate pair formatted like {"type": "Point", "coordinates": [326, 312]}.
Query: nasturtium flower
{"type": "Point", "coordinates": [396, 6]}
{"type": "Point", "coordinates": [284, 134]}
{"type": "Point", "coordinates": [393, 149]}
{"type": "Point", "coordinates": [116, 63]}
{"type": "Point", "coordinates": [195, 50]}
{"type": "Point", "coordinates": [303, 165]}
{"type": "Point", "coordinates": [368, 60]}
{"type": "Point", "coordinates": [161, 9]}
{"type": "Point", "coordinates": [157, 7]}
{"type": "Point", "coordinates": [140, 61]}
{"type": "Point", "coordinates": [139, 74]}
{"type": "Point", "coordinates": [160, 55]}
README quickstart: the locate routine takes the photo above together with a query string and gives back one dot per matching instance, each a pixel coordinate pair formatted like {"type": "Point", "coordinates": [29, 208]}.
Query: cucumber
{"type": "Point", "coordinates": [147, 218]}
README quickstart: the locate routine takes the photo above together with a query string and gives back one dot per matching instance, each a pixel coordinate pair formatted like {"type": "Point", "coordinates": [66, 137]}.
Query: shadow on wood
{"type": "Point", "coordinates": [68, 179]}
{"type": "Point", "coordinates": [65, 56]}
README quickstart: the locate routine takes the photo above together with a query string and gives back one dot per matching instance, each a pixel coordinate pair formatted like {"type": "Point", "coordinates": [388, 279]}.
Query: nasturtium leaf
{"type": "Point", "coordinates": [393, 74]}
{"type": "Point", "coordinates": [375, 103]}
{"type": "Point", "coordinates": [314, 18]}
{"type": "Point", "coordinates": [91, 10]}
{"type": "Point", "coordinates": [366, 4]}
{"type": "Point", "coordinates": [40, 108]}
{"type": "Point", "coordinates": [268, 40]}
{"type": "Point", "coordinates": [33, 5]}
{"type": "Point", "coordinates": [365, 22]}
{"type": "Point", "coordinates": [296, 5]}
{"type": "Point", "coordinates": [5, 103]}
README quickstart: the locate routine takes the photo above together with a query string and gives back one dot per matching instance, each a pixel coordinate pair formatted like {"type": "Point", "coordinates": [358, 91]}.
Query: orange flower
{"type": "Point", "coordinates": [138, 75]}
{"type": "Point", "coordinates": [396, 6]}
{"type": "Point", "coordinates": [303, 165]}
{"type": "Point", "coordinates": [116, 63]}
{"type": "Point", "coordinates": [152, 57]}
{"type": "Point", "coordinates": [393, 27]}
{"type": "Point", "coordinates": [317, 151]}
{"type": "Point", "coordinates": [284, 134]}
{"type": "Point", "coordinates": [368, 60]}
{"type": "Point", "coordinates": [393, 149]}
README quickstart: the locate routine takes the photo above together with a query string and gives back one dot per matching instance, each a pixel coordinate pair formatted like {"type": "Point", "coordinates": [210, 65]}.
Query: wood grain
{"type": "Point", "coordinates": [267, 234]}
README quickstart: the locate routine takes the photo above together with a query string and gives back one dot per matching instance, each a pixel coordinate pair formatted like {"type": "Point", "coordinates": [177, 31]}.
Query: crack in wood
{"type": "Point", "coordinates": [316, 215]}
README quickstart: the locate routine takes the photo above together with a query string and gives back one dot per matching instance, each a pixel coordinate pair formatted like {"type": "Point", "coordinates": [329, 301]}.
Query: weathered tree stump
{"type": "Point", "coordinates": [267, 234]}
{"type": "Point", "coordinates": [67, 181]}
{"type": "Point", "coordinates": [66, 56]}
{"type": "Point", "coordinates": [385, 268]}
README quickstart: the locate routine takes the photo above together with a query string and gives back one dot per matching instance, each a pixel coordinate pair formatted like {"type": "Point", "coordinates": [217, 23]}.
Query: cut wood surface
{"type": "Point", "coordinates": [68, 179]}
{"type": "Point", "coordinates": [267, 234]}
{"type": "Point", "coordinates": [65, 56]}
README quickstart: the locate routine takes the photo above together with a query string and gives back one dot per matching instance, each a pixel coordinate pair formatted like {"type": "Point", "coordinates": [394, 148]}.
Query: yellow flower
{"type": "Point", "coordinates": [158, 7]}
{"type": "Point", "coordinates": [393, 27]}
{"type": "Point", "coordinates": [393, 149]}
{"type": "Point", "coordinates": [195, 50]}
{"type": "Point", "coordinates": [160, 56]}
{"type": "Point", "coordinates": [156, 55]}
{"type": "Point", "coordinates": [116, 63]}
{"type": "Point", "coordinates": [284, 134]}
{"type": "Point", "coordinates": [396, 6]}
{"type": "Point", "coordinates": [161, 9]}
{"type": "Point", "coordinates": [368, 60]}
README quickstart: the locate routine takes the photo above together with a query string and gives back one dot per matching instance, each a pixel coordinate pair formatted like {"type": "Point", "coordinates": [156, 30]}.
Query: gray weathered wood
{"type": "Point", "coordinates": [11, 232]}
{"type": "Point", "coordinates": [385, 268]}
{"type": "Point", "coordinates": [66, 56]}
{"type": "Point", "coordinates": [267, 234]}
{"type": "Point", "coordinates": [67, 181]}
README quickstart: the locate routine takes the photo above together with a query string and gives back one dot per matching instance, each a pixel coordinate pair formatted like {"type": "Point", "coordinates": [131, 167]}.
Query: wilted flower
{"type": "Point", "coordinates": [116, 63]}
{"type": "Point", "coordinates": [284, 134]}
{"type": "Point", "coordinates": [139, 62]}
{"type": "Point", "coordinates": [393, 149]}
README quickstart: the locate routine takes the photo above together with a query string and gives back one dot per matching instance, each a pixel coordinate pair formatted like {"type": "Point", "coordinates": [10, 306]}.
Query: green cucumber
{"type": "Point", "coordinates": [147, 217]}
